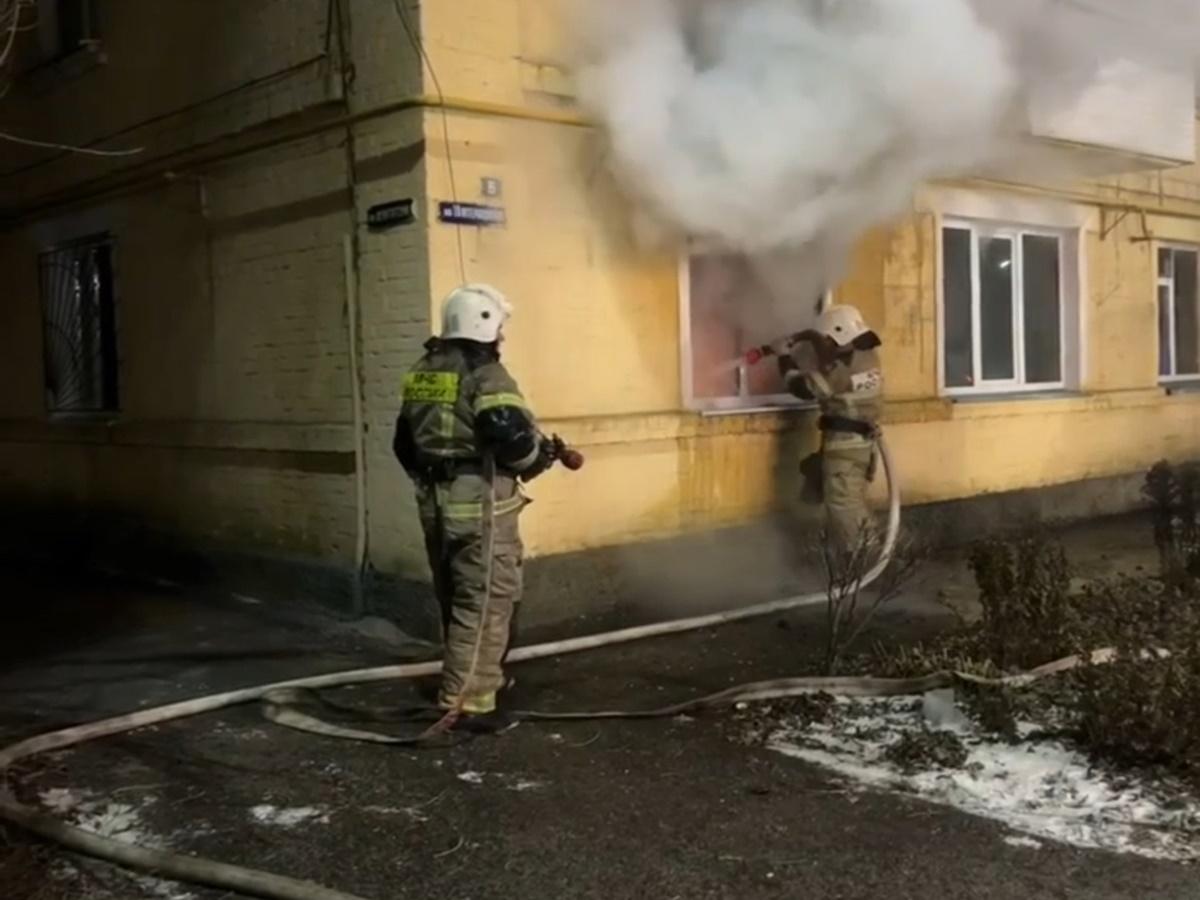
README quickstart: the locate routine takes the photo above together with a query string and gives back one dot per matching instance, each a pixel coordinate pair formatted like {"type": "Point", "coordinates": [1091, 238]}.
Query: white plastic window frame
{"type": "Point", "coordinates": [743, 402]}
{"type": "Point", "coordinates": [1161, 281]}
{"type": "Point", "coordinates": [1070, 347]}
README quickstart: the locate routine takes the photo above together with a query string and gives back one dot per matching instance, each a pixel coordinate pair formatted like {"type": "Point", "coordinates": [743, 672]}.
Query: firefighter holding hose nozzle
{"type": "Point", "coordinates": [467, 439]}
{"type": "Point", "coordinates": [837, 364]}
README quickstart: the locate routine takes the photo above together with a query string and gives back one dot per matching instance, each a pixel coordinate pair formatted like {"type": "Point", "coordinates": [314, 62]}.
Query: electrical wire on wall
{"type": "Point", "coordinates": [51, 145]}
{"type": "Point", "coordinates": [12, 23]}
{"type": "Point", "coordinates": [414, 38]}
{"type": "Point", "coordinates": [10, 27]}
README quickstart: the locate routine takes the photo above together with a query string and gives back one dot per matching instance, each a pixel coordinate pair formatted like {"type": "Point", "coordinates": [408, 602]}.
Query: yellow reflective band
{"type": "Point", "coordinates": [430, 387]}
{"type": "Point", "coordinates": [821, 386]}
{"type": "Point", "coordinates": [475, 510]}
{"type": "Point", "coordinates": [472, 705]}
{"type": "Point", "coordinates": [493, 401]}
{"type": "Point", "coordinates": [446, 426]}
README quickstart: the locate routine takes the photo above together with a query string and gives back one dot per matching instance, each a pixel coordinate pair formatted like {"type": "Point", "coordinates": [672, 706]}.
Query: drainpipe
{"type": "Point", "coordinates": [339, 29]}
{"type": "Point", "coordinates": [350, 266]}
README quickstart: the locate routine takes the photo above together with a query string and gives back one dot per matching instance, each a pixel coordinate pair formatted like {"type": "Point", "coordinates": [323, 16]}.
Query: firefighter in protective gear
{"type": "Point", "coordinates": [837, 364]}
{"type": "Point", "coordinates": [466, 439]}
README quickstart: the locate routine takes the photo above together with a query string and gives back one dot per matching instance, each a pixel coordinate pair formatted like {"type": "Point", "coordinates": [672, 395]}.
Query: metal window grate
{"type": "Point", "coordinates": [80, 327]}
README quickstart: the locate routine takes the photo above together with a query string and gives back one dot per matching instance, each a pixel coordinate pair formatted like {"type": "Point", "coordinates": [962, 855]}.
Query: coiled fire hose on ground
{"type": "Point", "coordinates": [254, 883]}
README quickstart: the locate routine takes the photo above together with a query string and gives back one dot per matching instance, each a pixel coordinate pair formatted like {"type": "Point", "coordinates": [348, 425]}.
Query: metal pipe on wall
{"type": "Point", "coordinates": [350, 269]}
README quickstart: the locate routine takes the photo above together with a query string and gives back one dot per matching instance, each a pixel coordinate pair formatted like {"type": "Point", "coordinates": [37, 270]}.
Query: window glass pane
{"type": "Point", "coordinates": [1043, 309]}
{"type": "Point", "coordinates": [1187, 323]}
{"type": "Point", "coordinates": [79, 328]}
{"type": "Point", "coordinates": [956, 268]}
{"type": "Point", "coordinates": [1166, 259]}
{"type": "Point", "coordinates": [715, 347]}
{"type": "Point", "coordinates": [1164, 330]}
{"type": "Point", "coordinates": [71, 34]}
{"type": "Point", "coordinates": [996, 309]}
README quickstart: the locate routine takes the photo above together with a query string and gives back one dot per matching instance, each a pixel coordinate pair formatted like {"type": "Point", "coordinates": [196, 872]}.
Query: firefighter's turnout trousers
{"type": "Point", "coordinates": [847, 473]}
{"type": "Point", "coordinates": [455, 521]}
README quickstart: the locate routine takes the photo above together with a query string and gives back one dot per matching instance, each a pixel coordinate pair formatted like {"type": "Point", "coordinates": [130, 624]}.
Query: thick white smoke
{"type": "Point", "coordinates": [788, 127]}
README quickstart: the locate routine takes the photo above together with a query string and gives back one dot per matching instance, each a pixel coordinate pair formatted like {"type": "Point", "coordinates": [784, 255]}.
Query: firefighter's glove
{"type": "Point", "coordinates": [547, 454]}
{"type": "Point", "coordinates": [812, 469]}
{"type": "Point", "coordinates": [787, 365]}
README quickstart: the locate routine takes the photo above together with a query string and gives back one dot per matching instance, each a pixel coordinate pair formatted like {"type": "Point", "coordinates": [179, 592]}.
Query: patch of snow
{"type": "Point", "coordinates": [1043, 789]}
{"type": "Point", "coordinates": [941, 711]}
{"type": "Point", "coordinates": [522, 784]}
{"type": "Point", "coordinates": [63, 870]}
{"type": "Point", "coordinates": [412, 812]}
{"type": "Point", "coordinates": [119, 821]}
{"type": "Point", "coordinates": [61, 800]}
{"type": "Point", "coordinates": [1026, 843]}
{"type": "Point", "coordinates": [116, 821]}
{"type": "Point", "coordinates": [509, 782]}
{"type": "Point", "coordinates": [268, 814]}
{"type": "Point", "coordinates": [167, 890]}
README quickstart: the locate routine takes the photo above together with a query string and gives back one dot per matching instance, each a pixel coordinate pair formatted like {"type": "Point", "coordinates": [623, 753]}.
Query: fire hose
{"type": "Point", "coordinates": [278, 701]}
{"type": "Point", "coordinates": [251, 882]}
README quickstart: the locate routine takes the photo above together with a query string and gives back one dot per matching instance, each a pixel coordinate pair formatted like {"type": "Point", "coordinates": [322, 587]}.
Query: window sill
{"type": "Point", "coordinates": [48, 75]}
{"type": "Point", "coordinates": [712, 412]}
{"type": "Point", "coordinates": [105, 419]}
{"type": "Point", "coordinates": [1186, 386]}
{"type": "Point", "coordinates": [1015, 396]}
{"type": "Point", "coordinates": [1053, 402]}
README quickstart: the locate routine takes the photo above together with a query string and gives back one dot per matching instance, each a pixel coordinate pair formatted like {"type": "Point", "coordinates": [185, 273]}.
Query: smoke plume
{"type": "Point", "coordinates": [785, 128]}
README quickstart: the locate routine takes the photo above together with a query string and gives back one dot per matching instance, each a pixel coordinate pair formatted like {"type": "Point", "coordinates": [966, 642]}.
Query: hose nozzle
{"type": "Point", "coordinates": [758, 354]}
{"type": "Point", "coordinates": [571, 458]}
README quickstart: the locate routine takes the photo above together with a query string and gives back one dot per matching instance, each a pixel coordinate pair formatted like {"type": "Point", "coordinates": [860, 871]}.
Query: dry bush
{"type": "Point", "coordinates": [1024, 588]}
{"type": "Point", "coordinates": [1144, 707]}
{"type": "Point", "coordinates": [851, 604]}
{"type": "Point", "coordinates": [1141, 709]}
{"type": "Point", "coordinates": [1174, 495]}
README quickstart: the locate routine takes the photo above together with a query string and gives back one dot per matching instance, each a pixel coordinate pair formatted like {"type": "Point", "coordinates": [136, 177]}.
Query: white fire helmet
{"type": "Point", "coordinates": [842, 324]}
{"type": "Point", "coordinates": [474, 312]}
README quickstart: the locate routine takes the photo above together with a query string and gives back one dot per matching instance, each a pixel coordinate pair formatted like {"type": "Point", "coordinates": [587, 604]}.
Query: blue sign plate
{"type": "Point", "coordinates": [471, 214]}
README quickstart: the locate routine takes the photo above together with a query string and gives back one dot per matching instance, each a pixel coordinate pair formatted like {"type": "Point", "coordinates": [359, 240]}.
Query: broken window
{"type": "Point", "coordinates": [79, 327]}
{"type": "Point", "coordinates": [1178, 313]}
{"type": "Point", "coordinates": [728, 309]}
{"type": "Point", "coordinates": [1003, 310]}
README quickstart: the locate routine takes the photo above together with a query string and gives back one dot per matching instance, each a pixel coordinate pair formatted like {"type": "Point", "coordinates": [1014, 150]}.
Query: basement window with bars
{"type": "Point", "coordinates": [1009, 309]}
{"type": "Point", "coordinates": [725, 304]}
{"type": "Point", "coordinates": [79, 326]}
{"type": "Point", "coordinates": [1178, 314]}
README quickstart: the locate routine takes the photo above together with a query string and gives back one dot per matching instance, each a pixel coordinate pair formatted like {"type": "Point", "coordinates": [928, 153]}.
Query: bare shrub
{"type": "Point", "coordinates": [1174, 495]}
{"type": "Point", "coordinates": [1140, 709]}
{"type": "Point", "coordinates": [1144, 707]}
{"type": "Point", "coordinates": [851, 605]}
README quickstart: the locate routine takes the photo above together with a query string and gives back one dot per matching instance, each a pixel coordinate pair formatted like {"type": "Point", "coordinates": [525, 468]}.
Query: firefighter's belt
{"type": "Point", "coordinates": [847, 426]}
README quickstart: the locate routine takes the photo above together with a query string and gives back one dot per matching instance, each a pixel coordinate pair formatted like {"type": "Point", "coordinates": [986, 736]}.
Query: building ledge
{"type": "Point", "coordinates": [267, 436]}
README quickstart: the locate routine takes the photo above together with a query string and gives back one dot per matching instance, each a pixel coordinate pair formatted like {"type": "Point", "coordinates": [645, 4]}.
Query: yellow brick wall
{"type": "Point", "coordinates": [236, 414]}
{"type": "Point", "coordinates": [595, 342]}
{"type": "Point", "coordinates": [236, 421]}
